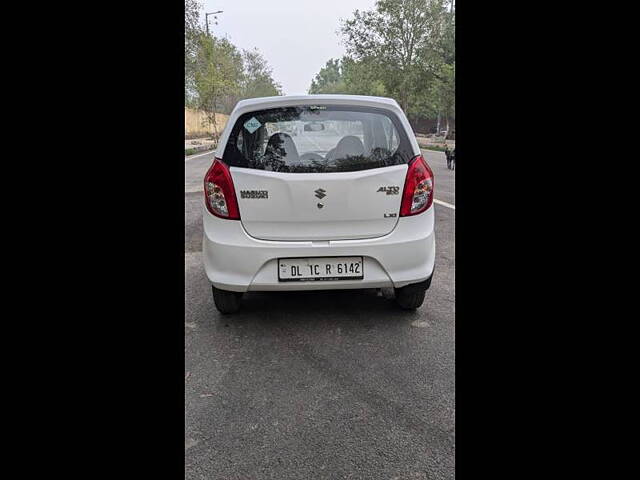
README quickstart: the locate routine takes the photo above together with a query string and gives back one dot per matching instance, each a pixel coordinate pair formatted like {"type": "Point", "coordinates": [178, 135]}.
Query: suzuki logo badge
{"type": "Point", "coordinates": [320, 193]}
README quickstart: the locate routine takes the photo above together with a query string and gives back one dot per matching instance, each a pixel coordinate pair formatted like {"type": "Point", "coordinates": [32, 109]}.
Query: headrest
{"type": "Point", "coordinates": [282, 147]}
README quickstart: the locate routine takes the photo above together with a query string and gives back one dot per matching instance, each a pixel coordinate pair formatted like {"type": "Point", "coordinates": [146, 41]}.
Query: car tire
{"type": "Point", "coordinates": [412, 296]}
{"type": "Point", "coordinates": [226, 302]}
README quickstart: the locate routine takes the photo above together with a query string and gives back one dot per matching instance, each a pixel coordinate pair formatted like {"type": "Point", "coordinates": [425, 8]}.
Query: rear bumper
{"type": "Point", "coordinates": [235, 261]}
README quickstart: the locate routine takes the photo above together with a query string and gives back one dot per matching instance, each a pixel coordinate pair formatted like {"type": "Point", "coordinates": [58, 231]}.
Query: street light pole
{"type": "Point", "coordinates": [206, 19]}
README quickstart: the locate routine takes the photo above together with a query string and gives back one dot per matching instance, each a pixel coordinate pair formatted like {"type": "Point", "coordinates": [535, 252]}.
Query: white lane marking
{"type": "Point", "coordinates": [444, 204]}
{"type": "Point", "coordinates": [199, 155]}
{"type": "Point", "coordinates": [420, 324]}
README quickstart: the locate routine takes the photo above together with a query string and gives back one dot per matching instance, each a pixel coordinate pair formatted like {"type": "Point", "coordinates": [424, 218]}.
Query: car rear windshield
{"type": "Point", "coordinates": [317, 138]}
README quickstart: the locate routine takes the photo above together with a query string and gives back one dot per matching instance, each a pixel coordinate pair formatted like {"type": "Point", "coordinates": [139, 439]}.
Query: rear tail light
{"type": "Point", "coordinates": [418, 188]}
{"type": "Point", "coordinates": [220, 196]}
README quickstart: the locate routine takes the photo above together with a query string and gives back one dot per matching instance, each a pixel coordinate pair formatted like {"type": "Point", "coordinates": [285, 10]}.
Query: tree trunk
{"type": "Point", "coordinates": [215, 128]}
{"type": "Point", "coordinates": [403, 102]}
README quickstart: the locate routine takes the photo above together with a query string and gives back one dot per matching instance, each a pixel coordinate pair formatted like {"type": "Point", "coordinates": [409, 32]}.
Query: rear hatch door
{"type": "Point", "coordinates": [319, 206]}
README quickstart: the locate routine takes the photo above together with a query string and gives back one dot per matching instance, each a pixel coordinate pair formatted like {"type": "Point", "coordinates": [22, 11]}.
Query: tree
{"type": "Point", "coordinates": [447, 78]}
{"type": "Point", "coordinates": [400, 39]}
{"type": "Point", "coordinates": [438, 63]}
{"type": "Point", "coordinates": [349, 76]}
{"type": "Point", "coordinates": [362, 77]}
{"type": "Point", "coordinates": [218, 72]}
{"type": "Point", "coordinates": [192, 31]}
{"type": "Point", "coordinates": [257, 80]}
{"type": "Point", "coordinates": [329, 79]}
{"type": "Point", "coordinates": [403, 49]}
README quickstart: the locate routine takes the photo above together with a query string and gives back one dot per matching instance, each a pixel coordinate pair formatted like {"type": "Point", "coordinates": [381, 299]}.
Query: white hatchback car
{"type": "Point", "coordinates": [345, 203]}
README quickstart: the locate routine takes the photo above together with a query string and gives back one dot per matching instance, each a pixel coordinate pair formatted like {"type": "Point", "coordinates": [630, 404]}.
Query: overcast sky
{"type": "Point", "coordinates": [296, 37]}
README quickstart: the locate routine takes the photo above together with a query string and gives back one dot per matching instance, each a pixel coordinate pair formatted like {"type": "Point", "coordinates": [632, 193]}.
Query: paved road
{"type": "Point", "coordinates": [320, 385]}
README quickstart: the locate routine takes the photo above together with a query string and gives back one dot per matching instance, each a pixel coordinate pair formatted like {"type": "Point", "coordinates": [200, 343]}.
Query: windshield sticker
{"type": "Point", "coordinates": [252, 124]}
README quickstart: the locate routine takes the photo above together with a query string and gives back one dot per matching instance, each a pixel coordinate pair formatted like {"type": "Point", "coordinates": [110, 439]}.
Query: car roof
{"type": "Point", "coordinates": [285, 100]}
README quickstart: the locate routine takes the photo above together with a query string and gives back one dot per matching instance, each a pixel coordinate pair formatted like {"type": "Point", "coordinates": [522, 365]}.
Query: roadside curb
{"type": "Point", "coordinates": [434, 148]}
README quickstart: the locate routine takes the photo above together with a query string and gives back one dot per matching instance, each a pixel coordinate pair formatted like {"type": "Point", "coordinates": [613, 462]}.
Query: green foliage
{"type": "Point", "coordinates": [347, 76]}
{"type": "Point", "coordinates": [362, 78]}
{"type": "Point", "coordinates": [191, 33]}
{"type": "Point", "coordinates": [404, 49]}
{"type": "Point", "coordinates": [217, 74]}
{"type": "Point", "coordinates": [257, 80]}
{"type": "Point", "coordinates": [329, 79]}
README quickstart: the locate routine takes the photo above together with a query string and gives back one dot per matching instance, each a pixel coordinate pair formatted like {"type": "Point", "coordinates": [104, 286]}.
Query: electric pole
{"type": "Point", "coordinates": [206, 19]}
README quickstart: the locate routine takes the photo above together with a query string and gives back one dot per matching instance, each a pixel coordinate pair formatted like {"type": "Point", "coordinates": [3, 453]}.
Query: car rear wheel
{"type": "Point", "coordinates": [226, 302]}
{"type": "Point", "coordinates": [412, 296]}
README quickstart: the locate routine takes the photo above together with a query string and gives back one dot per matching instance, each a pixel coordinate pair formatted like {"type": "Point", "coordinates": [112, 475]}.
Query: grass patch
{"type": "Point", "coordinates": [191, 151]}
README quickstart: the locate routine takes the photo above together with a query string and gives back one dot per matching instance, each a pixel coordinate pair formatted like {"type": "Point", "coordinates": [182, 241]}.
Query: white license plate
{"type": "Point", "coordinates": [320, 268]}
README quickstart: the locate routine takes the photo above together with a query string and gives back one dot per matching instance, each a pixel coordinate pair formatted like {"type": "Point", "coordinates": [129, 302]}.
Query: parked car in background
{"type": "Point", "coordinates": [321, 211]}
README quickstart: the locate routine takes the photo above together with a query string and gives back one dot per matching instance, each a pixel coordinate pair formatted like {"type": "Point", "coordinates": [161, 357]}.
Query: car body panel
{"type": "Point", "coordinates": [319, 206]}
{"type": "Point", "coordinates": [236, 261]}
